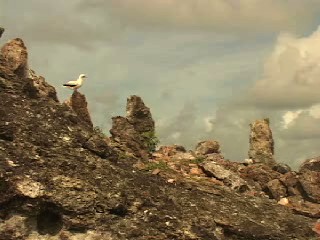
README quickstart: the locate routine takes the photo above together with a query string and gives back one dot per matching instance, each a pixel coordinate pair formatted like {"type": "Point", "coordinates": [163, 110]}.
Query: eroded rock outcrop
{"type": "Point", "coordinates": [310, 179]}
{"type": "Point", "coordinates": [15, 58]}
{"type": "Point", "coordinates": [207, 147]}
{"type": "Point", "coordinates": [261, 142]}
{"type": "Point", "coordinates": [37, 87]}
{"type": "Point", "coordinates": [297, 191]}
{"type": "Point", "coordinates": [79, 105]}
{"type": "Point", "coordinates": [139, 115]}
{"type": "Point", "coordinates": [136, 131]}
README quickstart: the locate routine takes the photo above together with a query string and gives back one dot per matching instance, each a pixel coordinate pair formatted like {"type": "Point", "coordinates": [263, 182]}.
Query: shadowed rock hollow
{"type": "Point", "coordinates": [60, 179]}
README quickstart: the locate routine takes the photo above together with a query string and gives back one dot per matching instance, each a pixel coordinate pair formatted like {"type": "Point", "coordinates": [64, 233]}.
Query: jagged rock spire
{"type": "Point", "coordinates": [261, 142]}
{"type": "Point", "coordinates": [136, 131]}
{"type": "Point", "coordinates": [139, 115]}
{"type": "Point", "coordinates": [15, 55]}
{"type": "Point", "coordinates": [79, 105]}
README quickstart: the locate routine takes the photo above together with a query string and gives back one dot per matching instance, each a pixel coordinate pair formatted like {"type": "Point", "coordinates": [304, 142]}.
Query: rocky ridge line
{"type": "Point", "coordinates": [60, 179]}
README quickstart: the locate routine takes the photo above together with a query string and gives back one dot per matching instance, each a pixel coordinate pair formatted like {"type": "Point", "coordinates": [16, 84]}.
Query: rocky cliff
{"type": "Point", "coordinates": [62, 179]}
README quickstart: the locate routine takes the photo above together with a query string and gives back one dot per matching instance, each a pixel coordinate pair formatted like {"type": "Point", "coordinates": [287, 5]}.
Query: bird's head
{"type": "Point", "coordinates": [82, 76]}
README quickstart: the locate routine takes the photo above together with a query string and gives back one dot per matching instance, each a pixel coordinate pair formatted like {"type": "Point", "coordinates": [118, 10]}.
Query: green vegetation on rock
{"type": "Point", "coordinates": [151, 140]}
{"type": "Point", "coordinates": [156, 165]}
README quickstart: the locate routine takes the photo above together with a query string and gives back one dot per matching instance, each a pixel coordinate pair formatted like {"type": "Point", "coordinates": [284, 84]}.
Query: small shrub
{"type": "Point", "coordinates": [150, 140]}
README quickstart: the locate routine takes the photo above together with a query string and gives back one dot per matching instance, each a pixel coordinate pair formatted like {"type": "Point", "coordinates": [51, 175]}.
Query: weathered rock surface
{"type": "Point", "coordinates": [277, 189]}
{"type": "Point", "coordinates": [310, 182]}
{"type": "Point", "coordinates": [230, 178]}
{"type": "Point", "coordinates": [171, 150]}
{"type": "Point", "coordinates": [207, 147]}
{"type": "Point", "coordinates": [310, 179]}
{"type": "Point", "coordinates": [15, 56]}
{"type": "Point", "coordinates": [125, 134]}
{"type": "Point", "coordinates": [312, 164]}
{"type": "Point", "coordinates": [79, 105]}
{"type": "Point", "coordinates": [37, 87]}
{"type": "Point", "coordinates": [136, 131]}
{"type": "Point", "coordinates": [261, 142]}
{"type": "Point", "coordinates": [54, 184]}
{"type": "Point", "coordinates": [139, 115]}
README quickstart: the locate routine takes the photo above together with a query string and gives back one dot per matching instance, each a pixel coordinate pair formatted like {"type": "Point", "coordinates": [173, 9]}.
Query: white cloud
{"type": "Point", "coordinates": [289, 117]}
{"type": "Point", "coordinates": [288, 93]}
{"type": "Point", "coordinates": [314, 111]}
{"type": "Point", "coordinates": [208, 122]}
{"type": "Point", "coordinates": [291, 77]}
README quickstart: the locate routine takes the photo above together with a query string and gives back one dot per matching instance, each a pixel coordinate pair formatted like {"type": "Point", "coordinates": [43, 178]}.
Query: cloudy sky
{"type": "Point", "coordinates": [206, 68]}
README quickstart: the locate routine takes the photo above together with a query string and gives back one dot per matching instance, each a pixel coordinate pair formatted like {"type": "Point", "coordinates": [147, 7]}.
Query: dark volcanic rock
{"type": "Point", "coordinates": [99, 145]}
{"type": "Point", "coordinates": [55, 185]}
{"type": "Point", "coordinates": [261, 142]}
{"type": "Point", "coordinates": [139, 115]}
{"type": "Point", "coordinates": [79, 105]}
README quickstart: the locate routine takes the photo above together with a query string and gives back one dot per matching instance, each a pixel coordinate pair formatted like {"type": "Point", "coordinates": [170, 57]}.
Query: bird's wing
{"type": "Point", "coordinates": [71, 83]}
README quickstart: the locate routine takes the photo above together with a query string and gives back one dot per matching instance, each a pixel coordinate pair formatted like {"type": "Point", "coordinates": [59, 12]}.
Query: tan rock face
{"type": "Point", "coordinates": [37, 87]}
{"type": "Point", "coordinates": [29, 188]}
{"type": "Point", "coordinates": [261, 142]}
{"type": "Point", "coordinates": [79, 105]}
{"type": "Point", "coordinates": [207, 147]}
{"type": "Point", "coordinates": [16, 56]}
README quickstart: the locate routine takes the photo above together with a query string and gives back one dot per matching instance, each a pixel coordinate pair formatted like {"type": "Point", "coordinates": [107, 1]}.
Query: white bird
{"type": "Point", "coordinates": [75, 84]}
